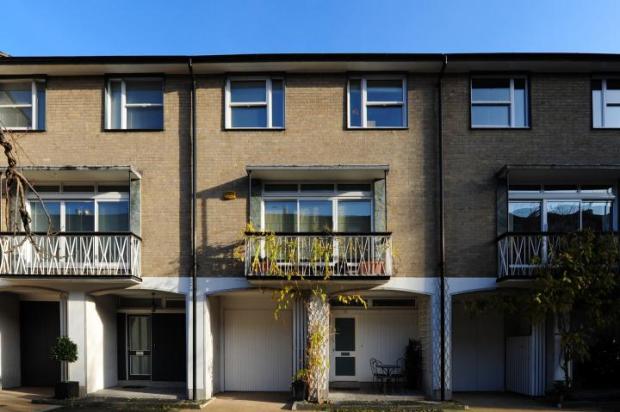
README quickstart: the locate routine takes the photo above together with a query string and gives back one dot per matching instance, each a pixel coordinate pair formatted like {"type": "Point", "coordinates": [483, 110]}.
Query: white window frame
{"type": "Point", "coordinates": [125, 105]}
{"type": "Point", "coordinates": [510, 103]}
{"type": "Point", "coordinates": [334, 197]}
{"type": "Point", "coordinates": [268, 103]}
{"type": "Point", "coordinates": [543, 198]}
{"type": "Point", "coordinates": [95, 197]}
{"type": "Point", "coordinates": [604, 104]}
{"type": "Point", "coordinates": [365, 103]}
{"type": "Point", "coordinates": [34, 103]}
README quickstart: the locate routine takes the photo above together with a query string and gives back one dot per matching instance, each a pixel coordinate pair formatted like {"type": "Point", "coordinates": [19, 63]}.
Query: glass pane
{"type": "Point", "coordinates": [596, 216]}
{"type": "Point", "coordinates": [249, 116]}
{"type": "Point", "coordinates": [139, 91]}
{"type": "Point", "coordinates": [355, 103]}
{"type": "Point", "coordinates": [345, 334]}
{"type": "Point", "coordinates": [40, 222]}
{"type": "Point", "coordinates": [279, 188]}
{"type": "Point", "coordinates": [490, 90]}
{"type": "Point", "coordinates": [145, 118]}
{"type": "Point", "coordinates": [16, 93]}
{"type": "Point", "coordinates": [597, 104]}
{"type": "Point", "coordinates": [613, 91]}
{"type": "Point", "coordinates": [384, 90]}
{"type": "Point", "coordinates": [354, 187]}
{"type": "Point", "coordinates": [391, 116]}
{"type": "Point", "coordinates": [277, 103]}
{"type": "Point", "coordinates": [524, 217]}
{"type": "Point", "coordinates": [317, 187]}
{"type": "Point", "coordinates": [16, 117]}
{"type": "Point", "coordinates": [40, 105]}
{"type": "Point", "coordinates": [115, 105]}
{"type": "Point", "coordinates": [496, 115]}
{"type": "Point", "coordinates": [562, 216]}
{"type": "Point", "coordinates": [113, 188]}
{"type": "Point", "coordinates": [248, 91]}
{"type": "Point", "coordinates": [139, 333]}
{"type": "Point", "coordinates": [280, 215]}
{"type": "Point", "coordinates": [520, 103]}
{"type": "Point", "coordinates": [345, 366]}
{"type": "Point", "coordinates": [354, 216]}
{"type": "Point", "coordinates": [612, 116]}
{"type": "Point", "coordinates": [560, 189]}
{"type": "Point", "coordinates": [113, 216]}
{"type": "Point", "coordinates": [315, 216]}
{"type": "Point", "coordinates": [139, 365]}
{"type": "Point", "coordinates": [80, 216]}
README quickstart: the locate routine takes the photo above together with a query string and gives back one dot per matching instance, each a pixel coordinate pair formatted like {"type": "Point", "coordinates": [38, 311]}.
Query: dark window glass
{"type": "Point", "coordinates": [317, 187]}
{"type": "Point", "coordinates": [249, 116]}
{"type": "Point", "coordinates": [490, 90]}
{"type": "Point", "coordinates": [596, 216]}
{"type": "Point", "coordinates": [80, 216]}
{"type": "Point", "coordinates": [145, 117]}
{"type": "Point", "coordinates": [355, 103]}
{"type": "Point", "coordinates": [379, 116]}
{"type": "Point", "coordinates": [248, 91]}
{"type": "Point", "coordinates": [113, 216]}
{"type": "Point", "coordinates": [562, 216]}
{"type": "Point", "coordinates": [277, 103]}
{"type": "Point", "coordinates": [354, 187]}
{"type": "Point", "coordinates": [345, 366]}
{"type": "Point", "coordinates": [46, 188]}
{"type": "Point", "coordinates": [40, 105]}
{"type": "Point", "coordinates": [315, 216]}
{"type": "Point", "coordinates": [40, 221]}
{"type": "Point", "coordinates": [280, 215]}
{"type": "Point", "coordinates": [144, 92]}
{"type": "Point", "coordinates": [113, 188]}
{"type": "Point", "coordinates": [354, 216]}
{"type": "Point", "coordinates": [345, 334]}
{"type": "Point", "coordinates": [78, 188]}
{"type": "Point", "coordinates": [524, 217]}
{"type": "Point", "coordinates": [278, 188]}
{"type": "Point", "coordinates": [384, 90]}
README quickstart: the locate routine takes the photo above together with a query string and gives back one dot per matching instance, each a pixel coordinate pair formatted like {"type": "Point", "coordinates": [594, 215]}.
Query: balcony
{"type": "Point", "coordinates": [318, 255]}
{"type": "Point", "coordinates": [71, 254]}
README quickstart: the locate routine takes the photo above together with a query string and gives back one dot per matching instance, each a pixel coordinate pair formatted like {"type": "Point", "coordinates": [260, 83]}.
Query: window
{"type": "Point", "coordinates": [22, 104]}
{"type": "Point", "coordinates": [499, 102]}
{"type": "Point", "coordinates": [316, 207]}
{"type": "Point", "coordinates": [377, 102]}
{"type": "Point", "coordinates": [561, 208]}
{"type": "Point", "coordinates": [255, 103]}
{"type": "Point", "coordinates": [606, 103]}
{"type": "Point", "coordinates": [91, 209]}
{"type": "Point", "coordinates": [135, 103]}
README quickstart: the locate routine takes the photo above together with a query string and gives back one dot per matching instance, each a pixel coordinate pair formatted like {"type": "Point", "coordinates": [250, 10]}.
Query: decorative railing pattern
{"type": "Point", "coordinates": [519, 254]}
{"type": "Point", "coordinates": [300, 255]}
{"type": "Point", "coordinates": [71, 254]}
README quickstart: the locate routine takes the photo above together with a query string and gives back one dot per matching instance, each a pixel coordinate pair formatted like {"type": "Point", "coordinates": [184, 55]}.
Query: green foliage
{"type": "Point", "coordinates": [64, 350]}
{"type": "Point", "coordinates": [579, 288]}
{"type": "Point", "coordinates": [301, 375]}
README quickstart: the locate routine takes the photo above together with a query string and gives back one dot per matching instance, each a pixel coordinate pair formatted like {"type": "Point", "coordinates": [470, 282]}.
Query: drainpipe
{"type": "Point", "coordinates": [192, 148]}
{"type": "Point", "coordinates": [442, 234]}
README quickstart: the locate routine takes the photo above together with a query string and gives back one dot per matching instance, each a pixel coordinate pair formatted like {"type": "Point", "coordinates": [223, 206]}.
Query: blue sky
{"type": "Point", "coordinates": [121, 27]}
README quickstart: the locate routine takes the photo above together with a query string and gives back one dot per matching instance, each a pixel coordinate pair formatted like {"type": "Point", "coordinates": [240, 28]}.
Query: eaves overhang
{"type": "Point", "coordinates": [318, 172]}
{"type": "Point", "coordinates": [560, 173]}
{"type": "Point", "coordinates": [85, 173]}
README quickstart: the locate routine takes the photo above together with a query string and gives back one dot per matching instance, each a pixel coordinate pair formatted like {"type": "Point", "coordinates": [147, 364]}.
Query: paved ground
{"type": "Point", "coordinates": [19, 400]}
{"type": "Point", "coordinates": [506, 402]}
{"type": "Point", "coordinates": [249, 401]}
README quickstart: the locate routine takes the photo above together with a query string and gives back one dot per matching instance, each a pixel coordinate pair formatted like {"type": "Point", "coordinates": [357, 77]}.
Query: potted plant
{"type": "Point", "coordinates": [300, 386]}
{"type": "Point", "coordinates": [64, 350]}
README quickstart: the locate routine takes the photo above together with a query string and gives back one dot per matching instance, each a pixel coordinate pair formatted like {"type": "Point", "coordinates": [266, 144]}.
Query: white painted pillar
{"type": "Point", "coordinates": [76, 331]}
{"type": "Point", "coordinates": [201, 359]}
{"type": "Point", "coordinates": [537, 359]}
{"type": "Point", "coordinates": [435, 322]}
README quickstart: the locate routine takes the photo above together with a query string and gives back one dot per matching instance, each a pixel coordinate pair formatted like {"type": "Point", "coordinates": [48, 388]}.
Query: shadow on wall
{"type": "Point", "coordinates": [216, 257]}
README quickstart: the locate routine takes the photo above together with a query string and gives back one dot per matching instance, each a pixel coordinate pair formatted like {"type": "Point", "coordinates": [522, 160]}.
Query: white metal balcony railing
{"type": "Point", "coordinates": [299, 255]}
{"type": "Point", "coordinates": [70, 254]}
{"type": "Point", "coordinates": [519, 254]}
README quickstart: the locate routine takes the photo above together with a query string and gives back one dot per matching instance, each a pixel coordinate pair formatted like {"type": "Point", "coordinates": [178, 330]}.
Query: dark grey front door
{"type": "Point", "coordinates": [139, 346]}
{"type": "Point", "coordinates": [344, 348]}
{"type": "Point", "coordinates": [39, 327]}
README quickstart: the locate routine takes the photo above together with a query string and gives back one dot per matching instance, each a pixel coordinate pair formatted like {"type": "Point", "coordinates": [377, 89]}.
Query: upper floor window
{"type": "Point", "coordinates": [377, 102]}
{"type": "Point", "coordinates": [499, 102]}
{"type": "Point", "coordinates": [22, 104]}
{"type": "Point", "coordinates": [135, 103]}
{"type": "Point", "coordinates": [606, 103]}
{"type": "Point", "coordinates": [255, 103]}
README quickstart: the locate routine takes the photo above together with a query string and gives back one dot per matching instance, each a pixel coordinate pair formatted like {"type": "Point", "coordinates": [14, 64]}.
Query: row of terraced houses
{"type": "Point", "coordinates": [436, 177]}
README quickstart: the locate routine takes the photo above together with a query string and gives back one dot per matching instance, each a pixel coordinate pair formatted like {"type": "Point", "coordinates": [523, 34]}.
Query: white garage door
{"type": "Point", "coordinates": [257, 350]}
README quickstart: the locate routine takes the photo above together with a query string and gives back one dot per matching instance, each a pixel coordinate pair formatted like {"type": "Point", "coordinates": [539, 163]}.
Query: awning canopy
{"type": "Point", "coordinates": [92, 174]}
{"type": "Point", "coordinates": [318, 172]}
{"type": "Point", "coordinates": [541, 174]}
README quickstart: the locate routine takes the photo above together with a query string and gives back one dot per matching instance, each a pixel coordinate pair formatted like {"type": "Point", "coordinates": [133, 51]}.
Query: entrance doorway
{"type": "Point", "coordinates": [139, 346]}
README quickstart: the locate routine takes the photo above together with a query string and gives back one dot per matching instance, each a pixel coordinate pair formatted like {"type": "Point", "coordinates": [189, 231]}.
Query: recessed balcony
{"type": "Point", "coordinates": [318, 255]}
{"type": "Point", "coordinates": [70, 254]}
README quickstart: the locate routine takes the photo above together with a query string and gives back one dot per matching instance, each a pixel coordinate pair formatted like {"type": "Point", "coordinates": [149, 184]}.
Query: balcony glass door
{"type": "Point", "coordinates": [139, 346]}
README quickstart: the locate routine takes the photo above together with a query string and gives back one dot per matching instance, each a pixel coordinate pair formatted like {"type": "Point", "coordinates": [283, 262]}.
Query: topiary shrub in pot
{"type": "Point", "coordinates": [64, 350]}
{"type": "Point", "coordinates": [300, 386]}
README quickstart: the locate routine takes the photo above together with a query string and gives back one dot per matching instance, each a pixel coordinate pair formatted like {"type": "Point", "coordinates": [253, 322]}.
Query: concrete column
{"type": "Point", "coordinates": [435, 322]}
{"type": "Point", "coordinates": [77, 331]}
{"type": "Point", "coordinates": [203, 391]}
{"type": "Point", "coordinates": [317, 358]}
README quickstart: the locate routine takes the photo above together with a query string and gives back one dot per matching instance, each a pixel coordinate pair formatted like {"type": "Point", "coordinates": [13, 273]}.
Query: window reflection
{"type": "Point", "coordinates": [524, 217]}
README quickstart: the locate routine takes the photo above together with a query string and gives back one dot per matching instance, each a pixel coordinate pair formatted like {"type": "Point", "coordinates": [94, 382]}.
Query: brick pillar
{"type": "Point", "coordinates": [317, 349]}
